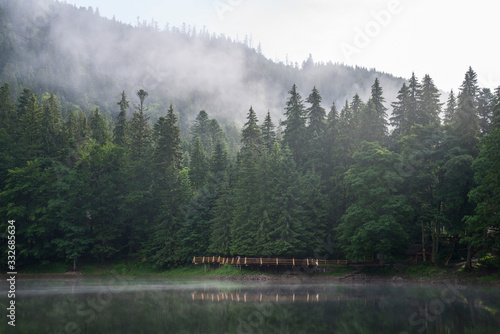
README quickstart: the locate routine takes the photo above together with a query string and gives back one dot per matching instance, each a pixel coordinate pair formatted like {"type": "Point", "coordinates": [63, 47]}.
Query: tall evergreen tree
{"type": "Point", "coordinates": [140, 130]}
{"type": "Point", "coordinates": [466, 120]}
{"type": "Point", "coordinates": [400, 112]}
{"type": "Point", "coordinates": [199, 166]}
{"type": "Point", "coordinates": [98, 127]}
{"type": "Point", "coordinates": [485, 106]}
{"type": "Point", "coordinates": [295, 126]}
{"type": "Point", "coordinates": [167, 152]}
{"type": "Point", "coordinates": [220, 238]}
{"type": "Point", "coordinates": [315, 131]}
{"type": "Point", "coordinates": [430, 105]}
{"type": "Point", "coordinates": [247, 194]}
{"type": "Point", "coordinates": [482, 226]}
{"type": "Point", "coordinates": [30, 119]}
{"type": "Point", "coordinates": [451, 106]}
{"type": "Point", "coordinates": [415, 96]}
{"type": "Point", "coordinates": [120, 133]}
{"type": "Point", "coordinates": [8, 114]}
{"type": "Point", "coordinates": [268, 132]}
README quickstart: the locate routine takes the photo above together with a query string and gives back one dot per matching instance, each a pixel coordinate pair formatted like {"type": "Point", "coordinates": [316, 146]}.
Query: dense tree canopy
{"type": "Point", "coordinates": [82, 187]}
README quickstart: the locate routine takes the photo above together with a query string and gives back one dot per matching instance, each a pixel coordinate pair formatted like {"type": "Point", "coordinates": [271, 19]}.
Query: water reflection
{"type": "Point", "coordinates": [169, 306]}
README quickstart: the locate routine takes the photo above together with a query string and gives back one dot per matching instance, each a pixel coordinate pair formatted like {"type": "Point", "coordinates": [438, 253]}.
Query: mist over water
{"type": "Point", "coordinates": [130, 305]}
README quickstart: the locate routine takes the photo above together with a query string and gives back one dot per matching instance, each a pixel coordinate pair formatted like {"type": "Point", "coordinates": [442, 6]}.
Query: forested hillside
{"type": "Point", "coordinates": [87, 60]}
{"type": "Point", "coordinates": [323, 179]}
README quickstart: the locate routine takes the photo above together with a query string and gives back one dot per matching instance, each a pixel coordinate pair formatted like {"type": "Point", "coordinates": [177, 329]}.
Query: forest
{"type": "Point", "coordinates": [342, 183]}
{"type": "Point", "coordinates": [101, 161]}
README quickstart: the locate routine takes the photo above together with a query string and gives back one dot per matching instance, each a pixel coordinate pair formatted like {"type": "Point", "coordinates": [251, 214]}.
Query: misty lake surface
{"type": "Point", "coordinates": [151, 305]}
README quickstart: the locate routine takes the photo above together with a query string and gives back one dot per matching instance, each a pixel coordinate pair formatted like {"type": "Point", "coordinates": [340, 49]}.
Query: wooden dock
{"type": "Point", "coordinates": [265, 261]}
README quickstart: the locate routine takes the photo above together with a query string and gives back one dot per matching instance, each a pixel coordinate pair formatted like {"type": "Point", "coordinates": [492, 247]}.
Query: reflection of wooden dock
{"type": "Point", "coordinates": [247, 261]}
{"type": "Point", "coordinates": [277, 297]}
{"type": "Point", "coordinates": [258, 297]}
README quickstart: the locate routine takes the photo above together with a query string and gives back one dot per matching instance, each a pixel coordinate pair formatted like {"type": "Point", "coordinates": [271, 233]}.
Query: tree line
{"type": "Point", "coordinates": [345, 183]}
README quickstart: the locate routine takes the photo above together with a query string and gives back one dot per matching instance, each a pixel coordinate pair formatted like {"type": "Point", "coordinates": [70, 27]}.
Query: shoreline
{"type": "Point", "coordinates": [269, 278]}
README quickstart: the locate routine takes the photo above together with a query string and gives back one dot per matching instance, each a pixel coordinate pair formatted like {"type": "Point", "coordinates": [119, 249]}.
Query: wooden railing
{"type": "Point", "coordinates": [265, 261]}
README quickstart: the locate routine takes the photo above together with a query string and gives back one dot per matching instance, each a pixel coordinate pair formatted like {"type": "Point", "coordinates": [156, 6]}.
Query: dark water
{"type": "Point", "coordinates": [173, 306]}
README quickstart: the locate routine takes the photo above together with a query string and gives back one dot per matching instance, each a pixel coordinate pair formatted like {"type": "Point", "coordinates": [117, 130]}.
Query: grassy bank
{"type": "Point", "coordinates": [418, 272]}
{"type": "Point", "coordinates": [136, 268]}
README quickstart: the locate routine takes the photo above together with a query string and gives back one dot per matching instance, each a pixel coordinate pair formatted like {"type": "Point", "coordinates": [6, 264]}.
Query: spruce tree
{"type": "Point", "coordinates": [295, 126]}
{"type": "Point", "coordinates": [415, 95]}
{"type": "Point", "coordinates": [400, 112]}
{"type": "Point", "coordinates": [8, 114]}
{"type": "Point", "coordinates": [430, 105]}
{"type": "Point", "coordinates": [98, 127]}
{"type": "Point", "coordinates": [315, 132]}
{"type": "Point", "coordinates": [30, 120]}
{"type": "Point", "coordinates": [140, 130]}
{"type": "Point", "coordinates": [485, 106]}
{"type": "Point", "coordinates": [199, 166]}
{"type": "Point", "coordinates": [268, 132]}
{"type": "Point", "coordinates": [51, 130]}
{"type": "Point", "coordinates": [220, 237]}
{"type": "Point", "coordinates": [451, 106]}
{"type": "Point", "coordinates": [120, 133]}
{"type": "Point", "coordinates": [466, 120]}
{"type": "Point", "coordinates": [247, 193]}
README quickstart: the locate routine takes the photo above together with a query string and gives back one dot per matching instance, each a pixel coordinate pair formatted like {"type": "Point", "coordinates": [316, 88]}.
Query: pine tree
{"type": "Point", "coordinates": [295, 126]}
{"type": "Point", "coordinates": [371, 128]}
{"type": "Point", "coordinates": [167, 152]}
{"type": "Point", "coordinates": [400, 112]}
{"type": "Point", "coordinates": [201, 129]}
{"type": "Point", "coordinates": [330, 137]}
{"type": "Point", "coordinates": [98, 127]}
{"type": "Point", "coordinates": [8, 114]}
{"type": "Point", "coordinates": [316, 115]}
{"type": "Point", "coordinates": [251, 135]}
{"type": "Point", "coordinates": [315, 131]}
{"type": "Point", "coordinates": [485, 106]}
{"type": "Point", "coordinates": [451, 106]}
{"type": "Point", "coordinates": [220, 237]}
{"type": "Point", "coordinates": [380, 110]}
{"type": "Point", "coordinates": [120, 134]}
{"type": "Point", "coordinates": [415, 95]}
{"type": "Point", "coordinates": [199, 166]}
{"type": "Point", "coordinates": [30, 120]}
{"type": "Point", "coordinates": [140, 130]}
{"type": "Point", "coordinates": [466, 120]}
{"type": "Point", "coordinates": [430, 105]}
{"type": "Point", "coordinates": [247, 193]}
{"type": "Point", "coordinates": [268, 132]}
{"type": "Point", "coordinates": [51, 127]}
{"type": "Point", "coordinates": [219, 162]}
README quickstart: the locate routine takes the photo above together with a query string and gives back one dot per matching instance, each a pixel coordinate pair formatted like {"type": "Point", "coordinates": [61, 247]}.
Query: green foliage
{"type": "Point", "coordinates": [82, 189]}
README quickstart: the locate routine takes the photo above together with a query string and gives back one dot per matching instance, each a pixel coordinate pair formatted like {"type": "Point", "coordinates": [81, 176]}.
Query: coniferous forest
{"type": "Point", "coordinates": [340, 179]}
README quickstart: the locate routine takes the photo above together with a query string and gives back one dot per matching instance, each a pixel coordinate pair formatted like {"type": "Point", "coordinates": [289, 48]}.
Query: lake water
{"type": "Point", "coordinates": [131, 305]}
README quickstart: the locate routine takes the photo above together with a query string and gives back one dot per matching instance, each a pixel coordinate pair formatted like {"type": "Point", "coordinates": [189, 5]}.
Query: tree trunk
{"type": "Point", "coordinates": [468, 263]}
{"type": "Point", "coordinates": [451, 253]}
{"type": "Point", "coordinates": [435, 240]}
{"type": "Point", "coordinates": [74, 264]}
{"type": "Point", "coordinates": [424, 258]}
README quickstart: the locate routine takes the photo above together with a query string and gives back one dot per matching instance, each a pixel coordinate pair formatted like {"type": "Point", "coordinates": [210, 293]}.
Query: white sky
{"type": "Point", "coordinates": [440, 37]}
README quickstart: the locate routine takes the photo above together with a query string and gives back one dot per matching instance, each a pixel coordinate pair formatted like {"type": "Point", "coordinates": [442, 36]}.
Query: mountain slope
{"type": "Point", "coordinates": [88, 60]}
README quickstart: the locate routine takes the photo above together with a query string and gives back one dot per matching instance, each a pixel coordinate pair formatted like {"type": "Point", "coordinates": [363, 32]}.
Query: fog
{"type": "Point", "coordinates": [93, 59]}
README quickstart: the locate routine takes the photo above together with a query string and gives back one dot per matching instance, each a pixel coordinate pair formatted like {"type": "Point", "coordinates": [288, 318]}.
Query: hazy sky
{"type": "Point", "coordinates": [441, 38]}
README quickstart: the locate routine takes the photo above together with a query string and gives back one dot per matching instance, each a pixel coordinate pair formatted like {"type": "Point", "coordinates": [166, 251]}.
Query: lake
{"type": "Point", "coordinates": [132, 305]}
